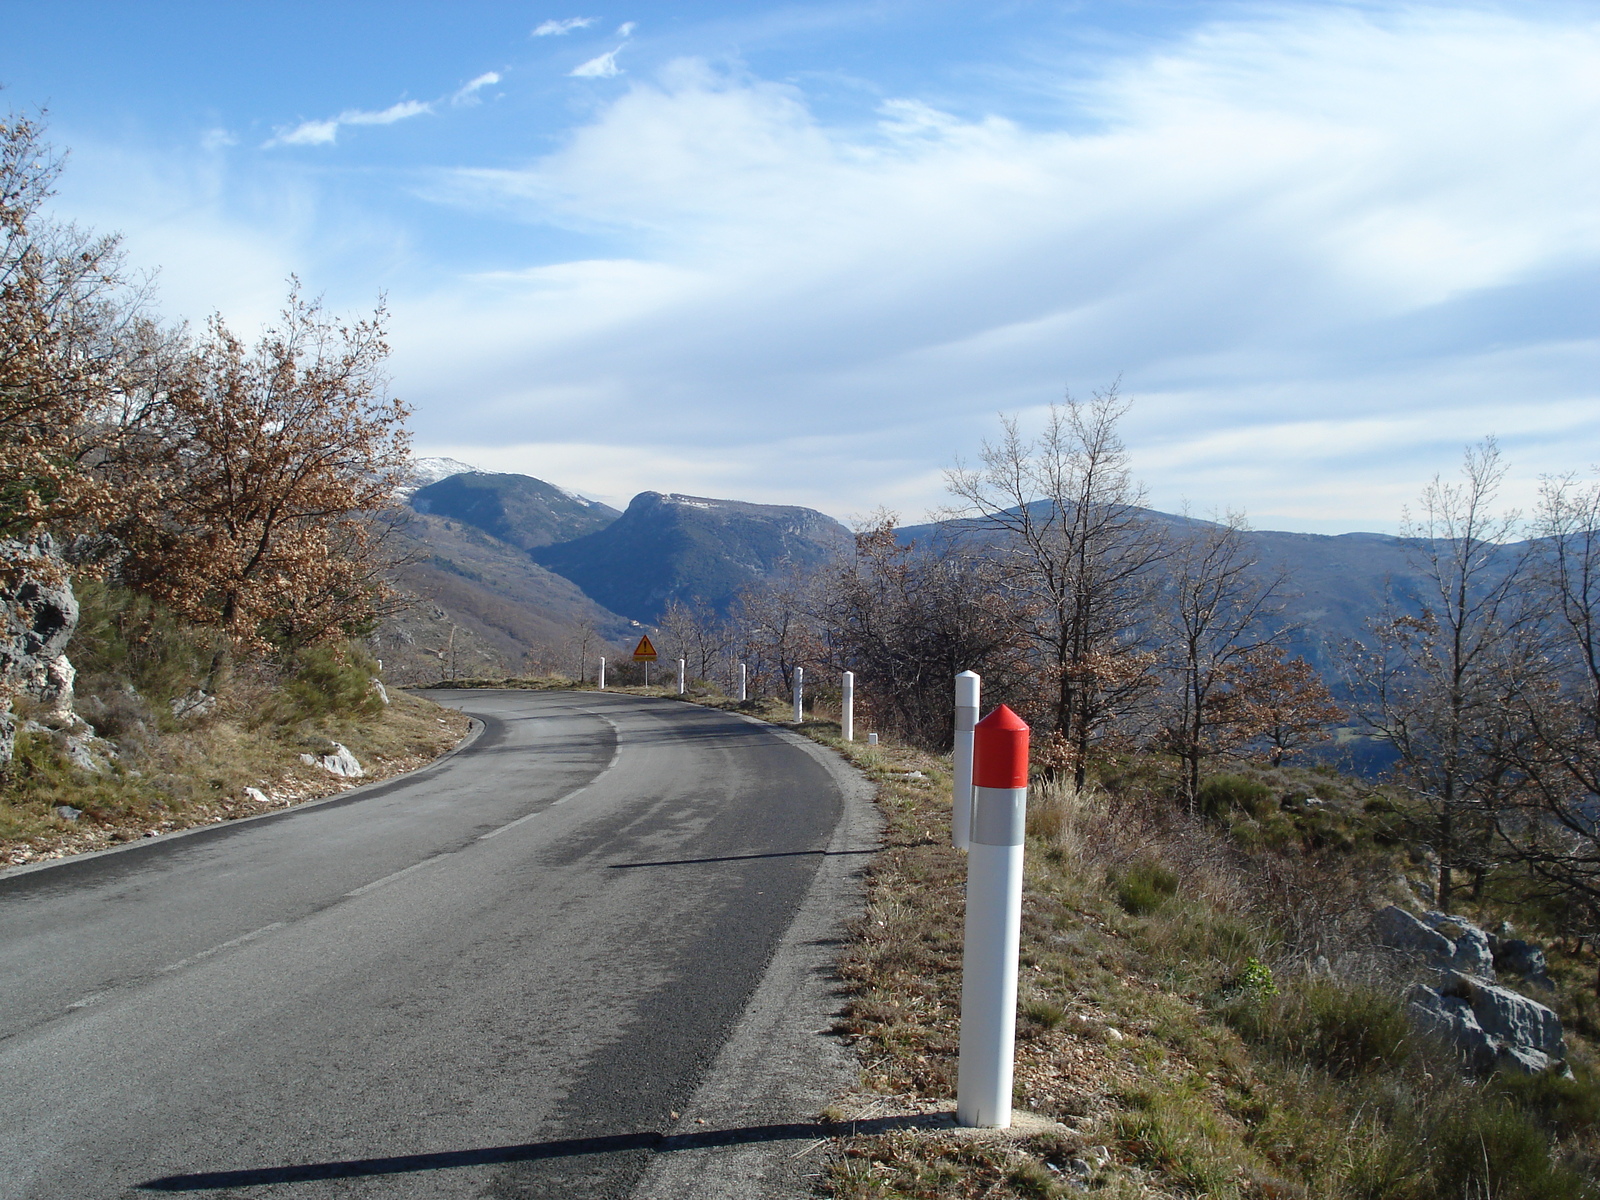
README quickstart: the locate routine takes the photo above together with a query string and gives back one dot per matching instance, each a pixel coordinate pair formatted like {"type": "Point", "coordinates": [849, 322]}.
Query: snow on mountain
{"type": "Point", "coordinates": [431, 470]}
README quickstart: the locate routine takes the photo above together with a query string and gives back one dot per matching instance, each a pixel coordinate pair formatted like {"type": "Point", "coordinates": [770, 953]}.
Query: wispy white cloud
{"type": "Point", "coordinates": [326, 132]}
{"type": "Point", "coordinates": [626, 28]}
{"type": "Point", "coordinates": [388, 116]}
{"type": "Point", "coordinates": [559, 28]}
{"type": "Point", "coordinates": [603, 66]}
{"type": "Point", "coordinates": [467, 93]}
{"type": "Point", "coordinates": [217, 139]}
{"type": "Point", "coordinates": [1322, 248]}
{"type": "Point", "coordinates": [1331, 214]}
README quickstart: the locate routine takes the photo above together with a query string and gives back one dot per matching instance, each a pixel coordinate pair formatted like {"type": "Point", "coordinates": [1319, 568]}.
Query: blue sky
{"type": "Point", "coordinates": [805, 253]}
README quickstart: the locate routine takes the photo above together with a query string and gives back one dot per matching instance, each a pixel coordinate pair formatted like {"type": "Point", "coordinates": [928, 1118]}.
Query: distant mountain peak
{"type": "Point", "coordinates": [518, 509]}
{"type": "Point", "coordinates": [671, 546]}
{"type": "Point", "coordinates": [581, 499]}
{"type": "Point", "coordinates": [431, 470]}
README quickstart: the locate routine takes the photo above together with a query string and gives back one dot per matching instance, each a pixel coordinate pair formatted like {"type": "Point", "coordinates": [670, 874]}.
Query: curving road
{"type": "Point", "coordinates": [497, 977]}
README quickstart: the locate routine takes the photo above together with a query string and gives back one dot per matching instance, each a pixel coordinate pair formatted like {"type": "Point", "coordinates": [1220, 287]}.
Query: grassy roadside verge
{"type": "Point", "coordinates": [1195, 1010]}
{"type": "Point", "coordinates": [196, 771]}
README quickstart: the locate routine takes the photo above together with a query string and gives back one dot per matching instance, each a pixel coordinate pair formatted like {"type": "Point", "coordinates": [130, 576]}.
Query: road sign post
{"type": "Point", "coordinates": [994, 921]}
{"type": "Point", "coordinates": [968, 684]}
{"type": "Point", "coordinates": [645, 653]}
{"type": "Point", "coordinates": [799, 692]}
{"type": "Point", "coordinates": [847, 706]}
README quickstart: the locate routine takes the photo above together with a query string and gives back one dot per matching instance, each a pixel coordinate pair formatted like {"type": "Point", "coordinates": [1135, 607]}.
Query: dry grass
{"type": "Point", "coordinates": [1195, 1002]}
{"type": "Point", "coordinates": [197, 773]}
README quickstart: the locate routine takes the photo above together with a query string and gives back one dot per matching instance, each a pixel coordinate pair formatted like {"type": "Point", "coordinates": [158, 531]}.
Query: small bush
{"type": "Point", "coordinates": [1222, 794]}
{"type": "Point", "coordinates": [1046, 1013]}
{"type": "Point", "coordinates": [328, 679]}
{"type": "Point", "coordinates": [1485, 1147]}
{"type": "Point", "coordinates": [1256, 979]}
{"type": "Point", "coordinates": [1563, 1106]}
{"type": "Point", "coordinates": [1145, 887]}
{"type": "Point", "coordinates": [125, 639]}
{"type": "Point", "coordinates": [1345, 1029]}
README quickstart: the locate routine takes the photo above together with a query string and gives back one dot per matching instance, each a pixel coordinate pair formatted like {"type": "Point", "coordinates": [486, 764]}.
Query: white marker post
{"type": "Point", "coordinates": [799, 692]}
{"type": "Point", "coordinates": [742, 694]}
{"type": "Point", "coordinates": [968, 685]}
{"type": "Point", "coordinates": [994, 921]}
{"type": "Point", "coordinates": [602, 674]}
{"type": "Point", "coordinates": [681, 688]}
{"type": "Point", "coordinates": [847, 706]}
{"type": "Point", "coordinates": [872, 739]}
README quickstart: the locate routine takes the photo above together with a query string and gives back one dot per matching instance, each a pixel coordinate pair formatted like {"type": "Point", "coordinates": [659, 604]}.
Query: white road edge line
{"type": "Point", "coordinates": [194, 958]}
{"type": "Point", "coordinates": [392, 876]}
{"type": "Point", "coordinates": [616, 751]}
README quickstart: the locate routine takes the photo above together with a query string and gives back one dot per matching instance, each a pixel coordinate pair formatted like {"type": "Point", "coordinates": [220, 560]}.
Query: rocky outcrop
{"type": "Point", "coordinates": [1490, 1026]}
{"type": "Point", "coordinates": [1436, 940]}
{"type": "Point", "coordinates": [1517, 957]}
{"type": "Point", "coordinates": [340, 762]}
{"type": "Point", "coordinates": [38, 614]}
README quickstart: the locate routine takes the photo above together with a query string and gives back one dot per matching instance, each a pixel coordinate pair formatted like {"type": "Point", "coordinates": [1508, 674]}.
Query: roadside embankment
{"type": "Point", "coordinates": [245, 753]}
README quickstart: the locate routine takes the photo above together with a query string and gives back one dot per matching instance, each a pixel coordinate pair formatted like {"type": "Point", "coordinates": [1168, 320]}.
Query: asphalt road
{"type": "Point", "coordinates": [498, 977]}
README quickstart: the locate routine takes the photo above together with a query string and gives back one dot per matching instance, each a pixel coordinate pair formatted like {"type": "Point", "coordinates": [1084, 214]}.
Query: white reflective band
{"type": "Point", "coordinates": [966, 718]}
{"type": "Point", "coordinates": [999, 816]}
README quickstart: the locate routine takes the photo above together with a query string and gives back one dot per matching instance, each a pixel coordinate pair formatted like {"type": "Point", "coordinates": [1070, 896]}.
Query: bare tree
{"type": "Point", "coordinates": [1552, 827]}
{"type": "Point", "coordinates": [1440, 686]}
{"type": "Point", "coordinates": [1219, 619]}
{"type": "Point", "coordinates": [773, 630]}
{"type": "Point", "coordinates": [696, 633]}
{"type": "Point", "coordinates": [580, 643]}
{"type": "Point", "coordinates": [907, 618]}
{"type": "Point", "coordinates": [1079, 556]}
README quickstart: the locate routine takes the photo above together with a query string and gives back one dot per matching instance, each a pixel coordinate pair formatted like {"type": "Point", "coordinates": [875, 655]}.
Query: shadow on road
{"type": "Point", "coordinates": [534, 1151]}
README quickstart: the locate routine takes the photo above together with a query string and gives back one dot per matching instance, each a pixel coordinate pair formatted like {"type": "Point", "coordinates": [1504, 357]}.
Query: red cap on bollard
{"type": "Point", "coordinates": [1000, 751]}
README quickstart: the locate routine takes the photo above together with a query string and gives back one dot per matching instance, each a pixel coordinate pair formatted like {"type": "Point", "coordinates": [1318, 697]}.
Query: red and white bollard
{"type": "Point", "coordinates": [994, 920]}
{"type": "Point", "coordinates": [967, 686]}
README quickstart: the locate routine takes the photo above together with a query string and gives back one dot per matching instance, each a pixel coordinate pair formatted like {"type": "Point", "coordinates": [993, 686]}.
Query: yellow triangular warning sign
{"type": "Point", "coordinates": [644, 651]}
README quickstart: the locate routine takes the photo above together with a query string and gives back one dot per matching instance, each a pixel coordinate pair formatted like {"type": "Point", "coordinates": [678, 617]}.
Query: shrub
{"type": "Point", "coordinates": [1222, 794]}
{"type": "Point", "coordinates": [1345, 1029]}
{"type": "Point", "coordinates": [330, 679]}
{"type": "Point", "coordinates": [1145, 887]}
{"type": "Point", "coordinates": [1256, 979]}
{"type": "Point", "coordinates": [1563, 1106]}
{"type": "Point", "coordinates": [125, 639]}
{"type": "Point", "coordinates": [1485, 1147]}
